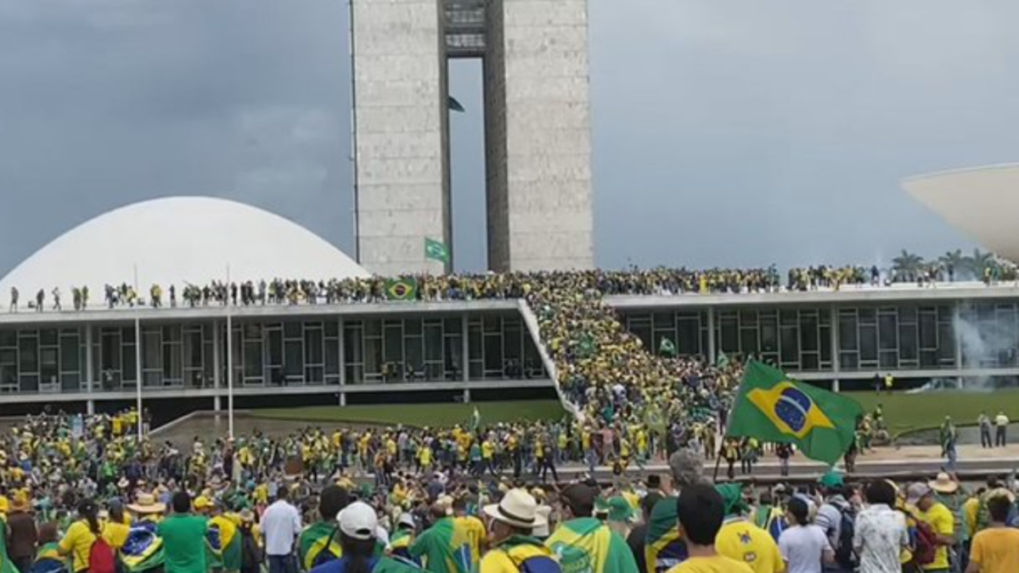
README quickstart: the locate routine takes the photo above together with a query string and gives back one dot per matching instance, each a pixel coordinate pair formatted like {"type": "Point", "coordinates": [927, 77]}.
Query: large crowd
{"type": "Point", "coordinates": [82, 494]}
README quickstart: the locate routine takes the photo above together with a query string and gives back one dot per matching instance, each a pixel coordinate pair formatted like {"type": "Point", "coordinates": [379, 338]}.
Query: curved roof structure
{"type": "Point", "coordinates": [983, 202]}
{"type": "Point", "coordinates": [179, 240]}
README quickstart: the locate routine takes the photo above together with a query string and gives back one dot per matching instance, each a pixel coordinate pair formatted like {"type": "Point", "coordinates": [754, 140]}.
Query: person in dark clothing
{"type": "Point", "coordinates": [22, 535]}
{"type": "Point", "coordinates": [638, 534]}
{"type": "Point", "coordinates": [251, 553]}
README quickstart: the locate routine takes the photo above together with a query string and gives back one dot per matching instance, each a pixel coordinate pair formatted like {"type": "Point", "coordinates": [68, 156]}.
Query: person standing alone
{"type": "Point", "coordinates": [1001, 426]}
{"type": "Point", "coordinates": [281, 525]}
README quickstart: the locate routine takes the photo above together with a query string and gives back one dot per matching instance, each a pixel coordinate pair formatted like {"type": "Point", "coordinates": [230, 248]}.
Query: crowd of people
{"type": "Point", "coordinates": [83, 494]}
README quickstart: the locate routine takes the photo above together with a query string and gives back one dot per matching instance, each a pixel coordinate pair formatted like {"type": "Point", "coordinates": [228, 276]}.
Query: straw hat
{"type": "Point", "coordinates": [19, 503]}
{"type": "Point", "coordinates": [146, 504]}
{"type": "Point", "coordinates": [944, 484]}
{"type": "Point", "coordinates": [517, 508]}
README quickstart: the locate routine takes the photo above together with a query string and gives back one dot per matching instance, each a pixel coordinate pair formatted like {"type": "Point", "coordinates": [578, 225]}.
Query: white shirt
{"type": "Point", "coordinates": [281, 524]}
{"type": "Point", "coordinates": [802, 548]}
{"type": "Point", "coordinates": [879, 537]}
{"type": "Point", "coordinates": [1001, 420]}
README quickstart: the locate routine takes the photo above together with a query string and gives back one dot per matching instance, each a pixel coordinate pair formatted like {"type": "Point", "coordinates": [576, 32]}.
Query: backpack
{"type": "Point", "coordinates": [101, 558]}
{"type": "Point", "coordinates": [844, 554]}
{"type": "Point", "coordinates": [924, 543]}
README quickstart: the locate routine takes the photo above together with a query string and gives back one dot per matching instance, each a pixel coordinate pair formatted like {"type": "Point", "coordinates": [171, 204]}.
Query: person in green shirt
{"type": "Point", "coordinates": [183, 537]}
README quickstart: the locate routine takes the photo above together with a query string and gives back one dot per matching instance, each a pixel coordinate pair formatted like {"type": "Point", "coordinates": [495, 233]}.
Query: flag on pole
{"type": "Point", "coordinates": [475, 420]}
{"type": "Point", "coordinates": [722, 361]}
{"type": "Point", "coordinates": [401, 289]}
{"type": "Point", "coordinates": [436, 250]}
{"type": "Point", "coordinates": [455, 105]}
{"type": "Point", "coordinates": [772, 408]}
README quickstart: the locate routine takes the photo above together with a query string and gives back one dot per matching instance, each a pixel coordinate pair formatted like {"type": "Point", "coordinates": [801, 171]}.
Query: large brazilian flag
{"type": "Point", "coordinates": [772, 408]}
{"type": "Point", "coordinates": [317, 544]}
{"type": "Point", "coordinates": [223, 547]}
{"type": "Point", "coordinates": [144, 549]}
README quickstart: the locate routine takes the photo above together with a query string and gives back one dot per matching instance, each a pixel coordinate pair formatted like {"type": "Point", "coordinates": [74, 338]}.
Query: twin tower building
{"type": "Point", "coordinates": [537, 130]}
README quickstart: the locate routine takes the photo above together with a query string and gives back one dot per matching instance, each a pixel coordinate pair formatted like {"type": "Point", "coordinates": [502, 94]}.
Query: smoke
{"type": "Point", "coordinates": [987, 340]}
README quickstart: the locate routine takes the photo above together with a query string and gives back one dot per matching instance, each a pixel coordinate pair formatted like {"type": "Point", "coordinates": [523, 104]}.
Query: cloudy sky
{"type": "Point", "coordinates": [734, 132]}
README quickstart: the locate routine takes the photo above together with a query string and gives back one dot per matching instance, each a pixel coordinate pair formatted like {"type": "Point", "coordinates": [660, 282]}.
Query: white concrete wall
{"type": "Point", "coordinates": [539, 142]}
{"type": "Point", "coordinates": [399, 125]}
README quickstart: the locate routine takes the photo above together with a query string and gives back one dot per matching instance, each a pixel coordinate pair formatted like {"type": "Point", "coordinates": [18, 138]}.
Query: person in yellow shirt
{"type": "Point", "coordinates": [701, 515]}
{"type": "Point", "coordinates": [425, 457]}
{"type": "Point", "coordinates": [77, 541]}
{"type": "Point", "coordinates": [995, 549]}
{"type": "Point", "coordinates": [921, 497]}
{"type": "Point", "coordinates": [117, 528]}
{"type": "Point", "coordinates": [514, 550]}
{"type": "Point", "coordinates": [743, 541]}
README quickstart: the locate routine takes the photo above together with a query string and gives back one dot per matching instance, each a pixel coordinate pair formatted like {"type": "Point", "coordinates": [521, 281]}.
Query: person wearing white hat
{"type": "Point", "coordinates": [359, 537]}
{"type": "Point", "coordinates": [513, 521]}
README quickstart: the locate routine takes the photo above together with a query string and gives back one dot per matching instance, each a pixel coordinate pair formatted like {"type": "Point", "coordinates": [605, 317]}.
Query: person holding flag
{"type": "Point", "coordinates": [584, 543]}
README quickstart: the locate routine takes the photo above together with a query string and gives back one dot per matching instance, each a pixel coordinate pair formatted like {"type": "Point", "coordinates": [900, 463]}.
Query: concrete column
{"type": "Point", "coordinates": [89, 365]}
{"type": "Point", "coordinates": [466, 349]}
{"type": "Point", "coordinates": [343, 359]}
{"type": "Point", "coordinates": [343, 398]}
{"type": "Point", "coordinates": [711, 336]}
{"type": "Point", "coordinates": [90, 407]}
{"type": "Point", "coordinates": [467, 395]}
{"type": "Point", "coordinates": [217, 403]}
{"type": "Point", "coordinates": [833, 340]}
{"type": "Point", "coordinates": [217, 359]}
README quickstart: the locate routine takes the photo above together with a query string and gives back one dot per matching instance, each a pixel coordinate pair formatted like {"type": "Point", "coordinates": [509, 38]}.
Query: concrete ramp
{"type": "Point", "coordinates": [531, 321]}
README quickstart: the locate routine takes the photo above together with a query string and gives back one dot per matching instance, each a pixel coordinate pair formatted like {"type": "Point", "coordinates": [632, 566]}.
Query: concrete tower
{"type": "Point", "coordinates": [537, 129]}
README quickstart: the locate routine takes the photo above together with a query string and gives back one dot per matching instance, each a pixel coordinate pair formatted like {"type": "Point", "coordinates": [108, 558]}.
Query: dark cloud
{"type": "Point", "coordinates": [732, 133]}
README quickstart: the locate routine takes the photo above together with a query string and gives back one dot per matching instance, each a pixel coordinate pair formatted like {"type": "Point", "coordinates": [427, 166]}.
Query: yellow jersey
{"type": "Point", "coordinates": [745, 542]}
{"type": "Point", "coordinates": [715, 564]}
{"type": "Point", "coordinates": [941, 521]}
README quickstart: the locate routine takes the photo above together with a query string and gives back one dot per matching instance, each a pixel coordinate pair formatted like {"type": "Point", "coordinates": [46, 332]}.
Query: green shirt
{"type": "Point", "coordinates": [184, 543]}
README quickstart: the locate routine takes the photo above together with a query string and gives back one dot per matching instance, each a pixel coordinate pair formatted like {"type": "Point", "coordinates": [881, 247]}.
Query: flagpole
{"type": "Point", "coordinates": [229, 358]}
{"type": "Point", "coordinates": [728, 421]}
{"type": "Point", "coordinates": [138, 356]}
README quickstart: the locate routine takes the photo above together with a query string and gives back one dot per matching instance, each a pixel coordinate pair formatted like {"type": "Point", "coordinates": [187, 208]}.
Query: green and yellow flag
{"type": "Point", "coordinates": [402, 289]}
{"type": "Point", "coordinates": [773, 408]}
{"type": "Point", "coordinates": [436, 250]}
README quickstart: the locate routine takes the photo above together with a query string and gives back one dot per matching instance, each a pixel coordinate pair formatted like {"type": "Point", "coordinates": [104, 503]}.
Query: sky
{"type": "Point", "coordinates": [726, 133]}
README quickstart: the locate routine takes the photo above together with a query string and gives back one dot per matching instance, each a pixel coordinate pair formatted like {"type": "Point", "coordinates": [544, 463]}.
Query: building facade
{"type": "Point", "coordinates": [834, 338]}
{"type": "Point", "coordinates": [537, 130]}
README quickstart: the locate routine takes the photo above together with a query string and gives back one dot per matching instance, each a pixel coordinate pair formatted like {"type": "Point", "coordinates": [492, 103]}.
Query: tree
{"type": "Point", "coordinates": [981, 261]}
{"type": "Point", "coordinates": [958, 262]}
{"type": "Point", "coordinates": [907, 265]}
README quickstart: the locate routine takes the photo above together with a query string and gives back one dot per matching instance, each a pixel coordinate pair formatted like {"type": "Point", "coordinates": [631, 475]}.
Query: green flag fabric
{"type": "Point", "coordinates": [6, 564]}
{"type": "Point", "coordinates": [402, 289]}
{"type": "Point", "coordinates": [667, 348]}
{"type": "Point", "coordinates": [772, 408]}
{"type": "Point", "coordinates": [317, 544]}
{"type": "Point", "coordinates": [436, 250]}
{"type": "Point", "coordinates": [475, 420]}
{"type": "Point", "coordinates": [587, 544]}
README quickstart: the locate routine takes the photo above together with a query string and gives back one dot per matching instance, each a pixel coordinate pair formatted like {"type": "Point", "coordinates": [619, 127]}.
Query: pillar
{"type": "Point", "coordinates": [467, 395]}
{"type": "Point", "coordinates": [217, 403]}
{"type": "Point", "coordinates": [217, 359]}
{"type": "Point", "coordinates": [466, 348]}
{"type": "Point", "coordinates": [343, 359]}
{"type": "Point", "coordinates": [343, 398]}
{"type": "Point", "coordinates": [711, 336]}
{"type": "Point", "coordinates": [90, 407]}
{"type": "Point", "coordinates": [833, 340]}
{"type": "Point", "coordinates": [89, 361]}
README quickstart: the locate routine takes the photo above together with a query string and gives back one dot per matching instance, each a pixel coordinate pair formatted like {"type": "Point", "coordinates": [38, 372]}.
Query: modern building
{"type": "Point", "coordinates": [537, 130]}
{"type": "Point", "coordinates": [191, 358]}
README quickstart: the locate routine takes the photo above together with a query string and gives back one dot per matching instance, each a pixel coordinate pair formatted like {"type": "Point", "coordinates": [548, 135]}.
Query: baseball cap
{"type": "Point", "coordinates": [202, 502]}
{"type": "Point", "coordinates": [916, 492]}
{"type": "Point", "coordinates": [358, 521]}
{"type": "Point", "coordinates": [407, 519]}
{"type": "Point", "coordinates": [580, 498]}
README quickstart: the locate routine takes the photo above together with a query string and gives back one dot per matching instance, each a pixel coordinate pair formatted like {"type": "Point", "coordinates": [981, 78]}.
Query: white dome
{"type": "Point", "coordinates": [982, 202]}
{"type": "Point", "coordinates": [178, 240]}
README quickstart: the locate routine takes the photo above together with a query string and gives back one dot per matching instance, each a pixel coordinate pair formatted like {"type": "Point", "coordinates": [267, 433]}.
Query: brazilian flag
{"type": "Point", "coordinates": [143, 550]}
{"type": "Point", "coordinates": [402, 289]}
{"type": "Point", "coordinates": [772, 408]}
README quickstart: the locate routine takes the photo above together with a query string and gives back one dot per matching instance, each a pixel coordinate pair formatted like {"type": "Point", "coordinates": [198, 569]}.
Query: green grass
{"type": "Point", "coordinates": [906, 412]}
{"type": "Point", "coordinates": [420, 415]}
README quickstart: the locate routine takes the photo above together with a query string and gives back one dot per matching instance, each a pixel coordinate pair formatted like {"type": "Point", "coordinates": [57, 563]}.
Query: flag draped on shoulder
{"type": "Point", "coordinates": [587, 544]}
{"type": "Point", "coordinates": [772, 408]}
{"type": "Point", "coordinates": [317, 544]}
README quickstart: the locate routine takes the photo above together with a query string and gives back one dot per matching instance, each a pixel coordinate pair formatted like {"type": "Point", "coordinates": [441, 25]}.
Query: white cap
{"type": "Point", "coordinates": [407, 518]}
{"type": "Point", "coordinates": [358, 521]}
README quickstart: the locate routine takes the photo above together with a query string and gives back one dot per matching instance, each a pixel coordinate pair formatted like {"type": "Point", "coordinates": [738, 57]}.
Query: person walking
{"type": "Point", "coordinates": [14, 300]}
{"type": "Point", "coordinates": [880, 534]}
{"type": "Point", "coordinates": [920, 498]}
{"type": "Point", "coordinates": [22, 535]}
{"type": "Point", "coordinates": [804, 546]}
{"type": "Point", "coordinates": [183, 535]}
{"type": "Point", "coordinates": [984, 422]}
{"type": "Point", "coordinates": [514, 549]}
{"type": "Point", "coordinates": [281, 526]}
{"type": "Point", "coordinates": [1001, 427]}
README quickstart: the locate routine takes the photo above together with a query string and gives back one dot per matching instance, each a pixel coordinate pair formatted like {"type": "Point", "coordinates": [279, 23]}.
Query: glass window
{"type": "Point", "coordinates": [790, 352]}
{"type": "Point", "coordinates": [352, 342]}
{"type": "Point", "coordinates": [769, 334]}
{"type": "Point", "coordinates": [332, 329]}
{"type": "Point", "coordinates": [493, 355]}
{"type": "Point", "coordinates": [415, 353]}
{"type": "Point", "coordinates": [171, 333]}
{"type": "Point", "coordinates": [29, 354]}
{"type": "Point", "coordinates": [868, 342]}
{"type": "Point", "coordinates": [748, 341]}
{"type": "Point", "coordinates": [748, 317]}
{"type": "Point", "coordinates": [292, 329]}
{"type": "Point", "coordinates": [50, 366]}
{"type": "Point", "coordinates": [252, 360]}
{"type": "Point", "coordinates": [412, 326]}
{"type": "Point", "coordinates": [332, 350]}
{"type": "Point", "coordinates": [867, 315]}
{"type": "Point", "coordinates": [8, 338]}
{"type": "Point", "coordinates": [372, 357]}
{"type": "Point", "coordinates": [433, 343]}
{"type": "Point", "coordinates": [907, 343]}
{"type": "Point", "coordinates": [474, 342]}
{"type": "Point", "coordinates": [313, 346]}
{"type": "Point", "coordinates": [907, 314]}
{"type": "Point", "coordinates": [689, 337]}
{"type": "Point", "coordinates": [493, 324]}
{"type": "Point", "coordinates": [848, 361]}
{"type": "Point", "coordinates": [808, 332]}
{"type": "Point", "coordinates": [788, 317]}
{"type": "Point", "coordinates": [394, 343]}
{"type": "Point", "coordinates": [928, 331]}
{"type": "Point", "coordinates": [69, 354]}
{"type": "Point", "coordinates": [129, 365]}
{"type": "Point", "coordinates": [888, 333]}
{"type": "Point", "coordinates": [293, 359]}
{"type": "Point", "coordinates": [48, 337]}
{"type": "Point", "coordinates": [729, 336]}
{"type": "Point", "coordinates": [171, 363]}
{"type": "Point", "coordinates": [664, 320]}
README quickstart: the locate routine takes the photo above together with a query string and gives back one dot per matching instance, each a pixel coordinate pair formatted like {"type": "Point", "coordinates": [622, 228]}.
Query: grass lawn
{"type": "Point", "coordinates": [904, 412]}
{"type": "Point", "coordinates": [420, 415]}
